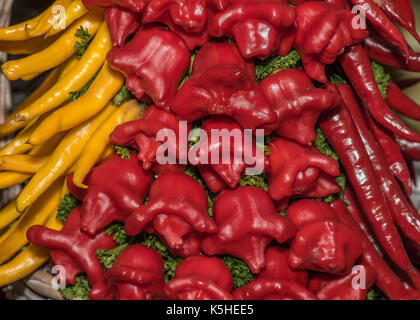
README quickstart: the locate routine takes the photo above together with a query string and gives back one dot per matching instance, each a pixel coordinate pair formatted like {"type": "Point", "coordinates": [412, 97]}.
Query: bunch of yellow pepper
{"type": "Point", "coordinates": [55, 134]}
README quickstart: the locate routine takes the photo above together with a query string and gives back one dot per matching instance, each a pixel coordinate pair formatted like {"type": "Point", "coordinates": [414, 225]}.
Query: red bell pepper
{"type": "Point", "coordinates": [133, 5]}
{"type": "Point", "coordinates": [72, 248]}
{"type": "Point", "coordinates": [353, 286]}
{"type": "Point", "coordinates": [322, 242]}
{"type": "Point", "coordinates": [188, 19]}
{"type": "Point", "coordinates": [246, 233]}
{"type": "Point", "coordinates": [116, 188]}
{"type": "Point", "coordinates": [121, 23]}
{"type": "Point", "coordinates": [153, 62]}
{"type": "Point", "coordinates": [200, 278]}
{"type": "Point", "coordinates": [323, 32]}
{"type": "Point", "coordinates": [137, 274]}
{"type": "Point", "coordinates": [177, 206]}
{"type": "Point", "coordinates": [229, 89]}
{"type": "Point", "coordinates": [297, 104]}
{"type": "Point", "coordinates": [260, 29]}
{"type": "Point", "coordinates": [295, 170]}
{"type": "Point", "coordinates": [142, 135]}
{"type": "Point", "coordinates": [231, 144]}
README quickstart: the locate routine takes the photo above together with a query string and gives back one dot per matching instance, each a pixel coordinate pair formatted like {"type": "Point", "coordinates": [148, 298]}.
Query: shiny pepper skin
{"type": "Point", "coordinates": [297, 104]}
{"type": "Point", "coordinates": [323, 32]}
{"type": "Point", "coordinates": [177, 208]}
{"type": "Point", "coordinates": [141, 135]}
{"type": "Point", "coordinates": [200, 278]}
{"type": "Point", "coordinates": [133, 5]}
{"type": "Point", "coordinates": [247, 222]}
{"type": "Point", "coordinates": [353, 286]}
{"type": "Point", "coordinates": [240, 154]}
{"type": "Point", "coordinates": [222, 86]}
{"type": "Point", "coordinates": [187, 18]}
{"type": "Point", "coordinates": [259, 29]}
{"type": "Point", "coordinates": [116, 188]}
{"type": "Point", "coordinates": [322, 242]}
{"type": "Point", "coordinates": [153, 62]}
{"type": "Point", "coordinates": [121, 23]}
{"type": "Point", "coordinates": [72, 248]}
{"type": "Point", "coordinates": [137, 274]}
{"type": "Point", "coordinates": [300, 170]}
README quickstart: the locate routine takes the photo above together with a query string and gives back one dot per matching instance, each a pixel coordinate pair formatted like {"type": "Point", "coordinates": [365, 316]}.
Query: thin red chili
{"type": "Point", "coordinates": [411, 150]}
{"type": "Point", "coordinates": [400, 102]}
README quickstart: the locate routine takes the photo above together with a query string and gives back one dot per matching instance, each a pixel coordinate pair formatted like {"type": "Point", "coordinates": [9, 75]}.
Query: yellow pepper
{"type": "Point", "coordinates": [18, 31]}
{"type": "Point", "coordinates": [87, 67]}
{"type": "Point", "coordinates": [102, 90]}
{"type": "Point", "coordinates": [27, 46]}
{"type": "Point", "coordinates": [74, 11]}
{"type": "Point", "coordinates": [131, 110]}
{"type": "Point", "coordinates": [11, 125]}
{"type": "Point", "coordinates": [11, 178]}
{"type": "Point", "coordinates": [38, 214]}
{"type": "Point", "coordinates": [51, 16]}
{"type": "Point", "coordinates": [8, 214]}
{"type": "Point", "coordinates": [22, 162]}
{"type": "Point", "coordinates": [64, 156]}
{"type": "Point", "coordinates": [55, 54]}
{"type": "Point", "coordinates": [48, 147]}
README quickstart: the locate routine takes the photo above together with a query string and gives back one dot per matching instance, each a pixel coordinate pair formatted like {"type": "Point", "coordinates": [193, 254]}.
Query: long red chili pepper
{"type": "Point", "coordinates": [392, 152]}
{"type": "Point", "coordinates": [386, 279]}
{"type": "Point", "coordinates": [343, 136]}
{"type": "Point", "coordinates": [411, 150]}
{"type": "Point", "coordinates": [356, 64]}
{"type": "Point", "coordinates": [400, 102]}
{"type": "Point", "coordinates": [399, 15]}
{"type": "Point", "coordinates": [387, 53]}
{"type": "Point", "coordinates": [382, 24]}
{"type": "Point", "coordinates": [407, 219]}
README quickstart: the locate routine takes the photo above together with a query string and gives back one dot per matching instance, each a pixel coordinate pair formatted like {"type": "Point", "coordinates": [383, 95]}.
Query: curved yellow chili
{"type": "Point", "coordinates": [37, 215]}
{"type": "Point", "coordinates": [87, 67]}
{"type": "Point", "coordinates": [74, 11]}
{"type": "Point", "coordinates": [55, 54]}
{"type": "Point", "coordinates": [64, 156]}
{"type": "Point", "coordinates": [51, 16]}
{"type": "Point", "coordinates": [22, 162]}
{"type": "Point", "coordinates": [102, 90]}
{"type": "Point", "coordinates": [18, 31]}
{"type": "Point", "coordinates": [27, 46]}
{"type": "Point", "coordinates": [100, 139]}
{"type": "Point", "coordinates": [11, 178]}
{"type": "Point", "coordinates": [11, 125]}
{"type": "Point", "coordinates": [8, 214]}
{"type": "Point", "coordinates": [48, 147]}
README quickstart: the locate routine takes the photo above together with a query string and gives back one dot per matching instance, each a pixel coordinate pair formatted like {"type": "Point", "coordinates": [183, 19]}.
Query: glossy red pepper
{"type": "Point", "coordinates": [260, 29]}
{"type": "Point", "coordinates": [277, 267]}
{"type": "Point", "coordinates": [380, 22]}
{"type": "Point", "coordinates": [297, 104]}
{"type": "Point", "coordinates": [411, 150]}
{"type": "Point", "coordinates": [392, 152]}
{"type": "Point", "coordinates": [121, 23]}
{"type": "Point", "coordinates": [342, 134]}
{"type": "Point", "coordinates": [177, 206]}
{"type": "Point", "coordinates": [272, 289]}
{"type": "Point", "coordinates": [296, 169]}
{"type": "Point", "coordinates": [322, 243]}
{"type": "Point", "coordinates": [239, 151]}
{"type": "Point", "coordinates": [216, 88]}
{"type": "Point", "coordinates": [200, 278]}
{"type": "Point", "coordinates": [116, 188]}
{"type": "Point", "coordinates": [356, 64]}
{"type": "Point", "coordinates": [72, 248]}
{"type": "Point", "coordinates": [137, 274]}
{"type": "Point", "coordinates": [386, 279]}
{"type": "Point", "coordinates": [133, 5]}
{"type": "Point", "coordinates": [353, 286]}
{"type": "Point", "coordinates": [153, 62]}
{"type": "Point", "coordinates": [403, 104]}
{"type": "Point", "coordinates": [142, 135]}
{"type": "Point", "coordinates": [387, 53]}
{"type": "Point", "coordinates": [246, 233]}
{"type": "Point", "coordinates": [188, 19]}
{"type": "Point", "coordinates": [323, 32]}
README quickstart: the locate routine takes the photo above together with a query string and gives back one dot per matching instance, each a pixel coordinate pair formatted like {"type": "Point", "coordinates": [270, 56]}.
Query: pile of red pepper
{"type": "Point", "coordinates": [302, 234]}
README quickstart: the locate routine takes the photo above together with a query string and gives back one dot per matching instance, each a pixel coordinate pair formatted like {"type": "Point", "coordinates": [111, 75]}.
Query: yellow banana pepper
{"type": "Point", "coordinates": [55, 54]}
{"type": "Point", "coordinates": [102, 90]}
{"type": "Point", "coordinates": [8, 214]}
{"type": "Point", "coordinates": [22, 162]}
{"type": "Point", "coordinates": [87, 67]}
{"type": "Point", "coordinates": [27, 46]}
{"type": "Point", "coordinates": [10, 178]}
{"type": "Point", "coordinates": [18, 31]}
{"type": "Point", "coordinates": [74, 11]}
{"type": "Point", "coordinates": [64, 156]}
{"type": "Point", "coordinates": [131, 110]}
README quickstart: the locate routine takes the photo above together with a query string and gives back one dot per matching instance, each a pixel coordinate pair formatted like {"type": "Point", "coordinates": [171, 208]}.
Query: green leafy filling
{"type": "Point", "coordinates": [123, 152]}
{"type": "Point", "coordinates": [122, 96]}
{"type": "Point", "coordinates": [67, 204]}
{"type": "Point", "coordinates": [82, 45]}
{"type": "Point", "coordinates": [268, 67]}
{"type": "Point", "coordinates": [241, 274]}
{"type": "Point", "coordinates": [381, 77]}
{"type": "Point", "coordinates": [80, 289]}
